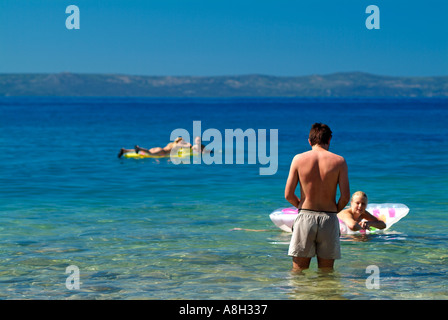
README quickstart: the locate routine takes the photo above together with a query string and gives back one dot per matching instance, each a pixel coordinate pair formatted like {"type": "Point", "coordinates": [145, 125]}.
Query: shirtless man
{"type": "Point", "coordinates": [316, 228]}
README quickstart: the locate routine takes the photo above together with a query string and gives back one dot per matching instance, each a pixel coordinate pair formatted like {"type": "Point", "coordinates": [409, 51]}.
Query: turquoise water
{"type": "Point", "coordinates": [148, 229]}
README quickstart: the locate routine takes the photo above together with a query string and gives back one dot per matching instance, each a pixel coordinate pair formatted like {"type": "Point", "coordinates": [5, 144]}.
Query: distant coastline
{"type": "Point", "coordinates": [349, 84]}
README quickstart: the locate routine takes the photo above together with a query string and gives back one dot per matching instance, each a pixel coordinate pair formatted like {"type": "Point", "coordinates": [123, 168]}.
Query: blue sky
{"type": "Point", "coordinates": [231, 37]}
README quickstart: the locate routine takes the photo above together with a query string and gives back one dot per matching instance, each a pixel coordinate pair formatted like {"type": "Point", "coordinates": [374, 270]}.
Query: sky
{"type": "Point", "coordinates": [224, 37]}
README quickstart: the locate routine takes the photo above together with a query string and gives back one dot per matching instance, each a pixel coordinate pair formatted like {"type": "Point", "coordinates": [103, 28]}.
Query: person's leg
{"type": "Point", "coordinates": [328, 242]}
{"type": "Point", "coordinates": [123, 151]}
{"type": "Point", "coordinates": [300, 263]}
{"type": "Point", "coordinates": [302, 245]}
{"type": "Point", "coordinates": [138, 149]}
{"type": "Point", "coordinates": [325, 264]}
{"type": "Point", "coordinates": [156, 151]}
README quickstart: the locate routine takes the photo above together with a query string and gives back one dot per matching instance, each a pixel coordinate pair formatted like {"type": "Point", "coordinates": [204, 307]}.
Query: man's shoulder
{"type": "Point", "coordinates": [336, 156]}
{"type": "Point", "coordinates": [302, 155]}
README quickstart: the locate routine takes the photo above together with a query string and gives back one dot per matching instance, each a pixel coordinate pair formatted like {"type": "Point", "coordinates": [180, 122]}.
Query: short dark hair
{"type": "Point", "coordinates": [320, 134]}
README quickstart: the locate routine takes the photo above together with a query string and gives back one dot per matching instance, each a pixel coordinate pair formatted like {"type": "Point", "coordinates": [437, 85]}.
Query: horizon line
{"type": "Point", "coordinates": [220, 75]}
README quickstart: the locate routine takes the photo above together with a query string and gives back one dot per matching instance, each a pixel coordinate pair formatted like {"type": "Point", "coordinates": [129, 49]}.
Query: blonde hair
{"type": "Point", "coordinates": [360, 194]}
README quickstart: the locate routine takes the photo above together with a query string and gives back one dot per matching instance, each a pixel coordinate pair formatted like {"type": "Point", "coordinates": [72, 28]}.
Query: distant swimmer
{"type": "Point", "coordinates": [199, 146]}
{"type": "Point", "coordinates": [316, 228]}
{"type": "Point", "coordinates": [165, 151]}
{"type": "Point", "coordinates": [356, 217]}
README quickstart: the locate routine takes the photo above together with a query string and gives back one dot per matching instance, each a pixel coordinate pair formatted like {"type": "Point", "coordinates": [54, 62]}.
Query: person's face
{"type": "Point", "coordinates": [197, 140]}
{"type": "Point", "coordinates": [358, 204]}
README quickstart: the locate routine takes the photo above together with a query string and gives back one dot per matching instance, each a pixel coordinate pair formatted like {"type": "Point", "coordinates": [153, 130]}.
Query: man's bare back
{"type": "Point", "coordinates": [319, 172]}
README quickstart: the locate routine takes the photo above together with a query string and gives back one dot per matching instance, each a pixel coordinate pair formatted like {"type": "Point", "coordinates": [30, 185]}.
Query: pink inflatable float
{"type": "Point", "coordinates": [390, 213]}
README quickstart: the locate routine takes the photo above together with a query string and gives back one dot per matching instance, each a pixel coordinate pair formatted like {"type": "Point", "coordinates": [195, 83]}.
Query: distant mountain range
{"type": "Point", "coordinates": [353, 84]}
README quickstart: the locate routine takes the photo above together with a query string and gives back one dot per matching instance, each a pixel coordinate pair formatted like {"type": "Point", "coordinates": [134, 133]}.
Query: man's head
{"type": "Point", "coordinates": [320, 134]}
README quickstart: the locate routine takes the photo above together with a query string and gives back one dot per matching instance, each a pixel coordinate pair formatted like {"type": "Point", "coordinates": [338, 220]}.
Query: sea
{"type": "Point", "coordinates": [77, 222]}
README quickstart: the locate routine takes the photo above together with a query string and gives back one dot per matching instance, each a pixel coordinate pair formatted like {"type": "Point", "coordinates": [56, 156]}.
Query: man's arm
{"type": "Point", "coordinates": [291, 184]}
{"type": "Point", "coordinates": [344, 186]}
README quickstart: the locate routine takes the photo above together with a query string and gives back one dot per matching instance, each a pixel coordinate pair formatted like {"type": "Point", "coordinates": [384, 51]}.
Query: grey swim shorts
{"type": "Point", "coordinates": [315, 233]}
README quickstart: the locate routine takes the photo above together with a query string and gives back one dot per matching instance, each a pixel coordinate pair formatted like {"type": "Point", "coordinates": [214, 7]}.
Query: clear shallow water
{"type": "Point", "coordinates": [147, 229]}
